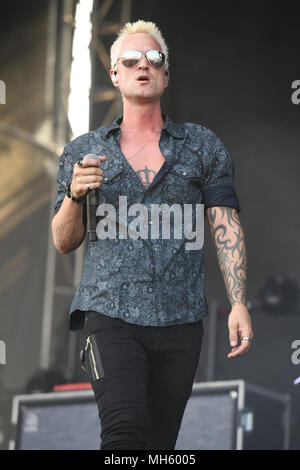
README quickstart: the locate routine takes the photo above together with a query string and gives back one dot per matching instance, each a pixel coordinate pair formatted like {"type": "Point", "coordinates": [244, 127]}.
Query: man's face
{"type": "Point", "coordinates": [142, 82]}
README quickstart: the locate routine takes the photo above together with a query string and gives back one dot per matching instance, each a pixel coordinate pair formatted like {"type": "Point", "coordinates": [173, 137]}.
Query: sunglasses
{"type": "Point", "coordinates": [131, 58]}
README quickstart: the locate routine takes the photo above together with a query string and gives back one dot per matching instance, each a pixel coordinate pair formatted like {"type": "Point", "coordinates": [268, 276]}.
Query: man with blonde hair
{"type": "Point", "coordinates": [141, 299]}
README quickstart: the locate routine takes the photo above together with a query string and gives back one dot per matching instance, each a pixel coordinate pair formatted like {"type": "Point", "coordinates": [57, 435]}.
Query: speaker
{"type": "Point", "coordinates": [233, 415]}
{"type": "Point", "coordinates": [219, 415]}
{"type": "Point", "coordinates": [55, 421]}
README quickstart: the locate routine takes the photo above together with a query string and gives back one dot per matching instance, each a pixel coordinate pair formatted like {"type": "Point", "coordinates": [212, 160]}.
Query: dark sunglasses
{"type": "Point", "coordinates": [131, 58]}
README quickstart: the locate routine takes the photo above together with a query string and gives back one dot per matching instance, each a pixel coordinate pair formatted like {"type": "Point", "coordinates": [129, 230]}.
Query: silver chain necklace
{"type": "Point", "coordinates": [142, 148]}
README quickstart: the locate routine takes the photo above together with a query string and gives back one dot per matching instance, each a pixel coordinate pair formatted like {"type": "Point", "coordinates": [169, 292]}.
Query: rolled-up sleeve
{"type": "Point", "coordinates": [218, 187]}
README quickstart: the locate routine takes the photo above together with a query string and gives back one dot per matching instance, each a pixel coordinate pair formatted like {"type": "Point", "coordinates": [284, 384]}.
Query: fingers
{"type": "Point", "coordinates": [239, 350]}
{"type": "Point", "coordinates": [88, 171]}
{"type": "Point", "coordinates": [91, 162]}
{"type": "Point", "coordinates": [245, 335]}
{"type": "Point", "coordinates": [240, 330]}
{"type": "Point", "coordinates": [233, 336]}
{"type": "Point", "coordinates": [87, 175]}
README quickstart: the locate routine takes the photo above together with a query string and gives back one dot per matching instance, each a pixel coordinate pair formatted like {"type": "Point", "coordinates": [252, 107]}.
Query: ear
{"type": "Point", "coordinates": [167, 78]}
{"type": "Point", "coordinates": [113, 76]}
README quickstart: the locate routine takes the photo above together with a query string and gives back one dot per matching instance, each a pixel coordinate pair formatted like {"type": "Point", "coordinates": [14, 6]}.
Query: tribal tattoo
{"type": "Point", "coordinates": [229, 240]}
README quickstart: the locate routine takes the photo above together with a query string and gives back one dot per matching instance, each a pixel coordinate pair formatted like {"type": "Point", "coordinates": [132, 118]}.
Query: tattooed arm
{"type": "Point", "coordinates": [68, 230]}
{"type": "Point", "coordinates": [229, 240]}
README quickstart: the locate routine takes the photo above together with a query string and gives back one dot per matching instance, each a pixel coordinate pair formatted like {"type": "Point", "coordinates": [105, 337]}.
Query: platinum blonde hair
{"type": "Point", "coordinates": [139, 26]}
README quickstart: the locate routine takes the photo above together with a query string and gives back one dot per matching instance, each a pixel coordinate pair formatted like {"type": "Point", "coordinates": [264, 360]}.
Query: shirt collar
{"type": "Point", "coordinates": [114, 126]}
{"type": "Point", "coordinates": [175, 130]}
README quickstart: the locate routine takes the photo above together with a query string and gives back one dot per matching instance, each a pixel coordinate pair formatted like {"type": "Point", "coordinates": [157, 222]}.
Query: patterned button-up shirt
{"type": "Point", "coordinates": [155, 280]}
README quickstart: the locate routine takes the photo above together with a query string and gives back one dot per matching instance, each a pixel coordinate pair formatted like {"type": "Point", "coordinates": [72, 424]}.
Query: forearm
{"type": "Point", "coordinates": [229, 240]}
{"type": "Point", "coordinates": [68, 229]}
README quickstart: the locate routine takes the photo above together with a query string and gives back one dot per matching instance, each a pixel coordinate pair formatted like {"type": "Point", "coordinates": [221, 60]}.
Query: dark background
{"type": "Point", "coordinates": [231, 68]}
{"type": "Point", "coordinates": [232, 65]}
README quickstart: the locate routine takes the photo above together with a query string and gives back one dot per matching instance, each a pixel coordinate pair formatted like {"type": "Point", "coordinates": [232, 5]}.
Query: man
{"type": "Point", "coordinates": [142, 299]}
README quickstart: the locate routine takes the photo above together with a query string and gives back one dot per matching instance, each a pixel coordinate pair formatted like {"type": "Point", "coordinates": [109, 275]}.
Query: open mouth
{"type": "Point", "coordinates": [143, 78]}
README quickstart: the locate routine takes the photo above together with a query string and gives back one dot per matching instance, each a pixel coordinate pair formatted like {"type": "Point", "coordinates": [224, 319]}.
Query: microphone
{"type": "Point", "coordinates": [92, 204]}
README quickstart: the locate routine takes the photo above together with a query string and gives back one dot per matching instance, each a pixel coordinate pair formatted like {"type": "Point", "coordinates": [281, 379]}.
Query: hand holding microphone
{"type": "Point", "coordinates": [87, 175]}
{"type": "Point", "coordinates": [87, 178]}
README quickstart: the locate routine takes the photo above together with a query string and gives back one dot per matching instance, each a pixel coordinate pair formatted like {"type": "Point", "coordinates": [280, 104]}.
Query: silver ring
{"type": "Point", "coordinates": [246, 338]}
{"type": "Point", "coordinates": [88, 186]}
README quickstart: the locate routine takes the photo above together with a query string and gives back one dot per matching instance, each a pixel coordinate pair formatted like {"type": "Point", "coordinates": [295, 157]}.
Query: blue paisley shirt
{"type": "Point", "coordinates": [150, 282]}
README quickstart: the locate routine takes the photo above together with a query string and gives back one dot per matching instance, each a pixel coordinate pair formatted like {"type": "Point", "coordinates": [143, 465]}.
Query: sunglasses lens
{"type": "Point", "coordinates": [129, 62]}
{"type": "Point", "coordinates": [131, 58]}
{"type": "Point", "coordinates": [155, 58]}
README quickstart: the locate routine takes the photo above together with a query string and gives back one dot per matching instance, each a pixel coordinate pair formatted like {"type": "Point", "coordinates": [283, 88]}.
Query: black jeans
{"type": "Point", "coordinates": [142, 378]}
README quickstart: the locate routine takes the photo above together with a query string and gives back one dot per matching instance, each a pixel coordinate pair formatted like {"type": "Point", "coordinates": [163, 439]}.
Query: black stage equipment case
{"type": "Point", "coordinates": [221, 415]}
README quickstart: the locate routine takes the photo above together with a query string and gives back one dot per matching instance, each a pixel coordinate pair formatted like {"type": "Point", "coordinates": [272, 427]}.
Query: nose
{"type": "Point", "coordinates": [143, 64]}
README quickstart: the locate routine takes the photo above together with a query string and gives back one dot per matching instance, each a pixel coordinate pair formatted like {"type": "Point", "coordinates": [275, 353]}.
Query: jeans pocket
{"type": "Point", "coordinates": [94, 361]}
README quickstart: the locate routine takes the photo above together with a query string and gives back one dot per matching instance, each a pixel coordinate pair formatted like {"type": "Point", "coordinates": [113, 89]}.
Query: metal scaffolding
{"type": "Point", "coordinates": [58, 66]}
{"type": "Point", "coordinates": [107, 100]}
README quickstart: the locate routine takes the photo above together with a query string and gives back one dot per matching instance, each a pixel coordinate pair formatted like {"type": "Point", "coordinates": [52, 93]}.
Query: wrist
{"type": "Point", "coordinates": [72, 196]}
{"type": "Point", "coordinates": [238, 309]}
{"type": "Point", "coordinates": [238, 306]}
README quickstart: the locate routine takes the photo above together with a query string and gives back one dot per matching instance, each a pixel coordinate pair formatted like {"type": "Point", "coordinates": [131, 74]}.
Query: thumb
{"type": "Point", "coordinates": [233, 336]}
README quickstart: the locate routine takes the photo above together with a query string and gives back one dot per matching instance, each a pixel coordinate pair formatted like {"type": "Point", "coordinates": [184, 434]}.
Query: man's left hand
{"type": "Point", "coordinates": [239, 325]}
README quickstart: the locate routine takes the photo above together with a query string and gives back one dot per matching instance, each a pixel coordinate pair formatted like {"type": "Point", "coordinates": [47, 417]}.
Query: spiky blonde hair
{"type": "Point", "coordinates": [139, 26]}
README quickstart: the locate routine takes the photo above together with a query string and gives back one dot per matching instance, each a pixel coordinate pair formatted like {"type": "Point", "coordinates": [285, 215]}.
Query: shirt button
{"type": "Point", "coordinates": [155, 310]}
{"type": "Point", "coordinates": [106, 179]}
{"type": "Point", "coordinates": [157, 278]}
{"type": "Point", "coordinates": [184, 173]}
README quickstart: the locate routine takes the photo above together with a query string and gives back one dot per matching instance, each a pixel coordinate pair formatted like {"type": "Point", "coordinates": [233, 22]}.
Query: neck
{"type": "Point", "coordinates": [142, 118]}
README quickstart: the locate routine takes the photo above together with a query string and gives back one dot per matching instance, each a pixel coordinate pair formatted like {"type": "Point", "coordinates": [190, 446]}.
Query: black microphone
{"type": "Point", "coordinates": [92, 200]}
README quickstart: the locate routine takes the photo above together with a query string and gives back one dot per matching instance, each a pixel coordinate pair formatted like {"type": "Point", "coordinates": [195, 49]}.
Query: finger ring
{"type": "Point", "coordinates": [79, 162]}
{"type": "Point", "coordinates": [246, 338]}
{"type": "Point", "coordinates": [88, 186]}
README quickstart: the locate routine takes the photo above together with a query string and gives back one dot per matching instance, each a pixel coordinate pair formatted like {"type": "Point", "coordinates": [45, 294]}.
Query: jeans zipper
{"type": "Point", "coordinates": [94, 366]}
